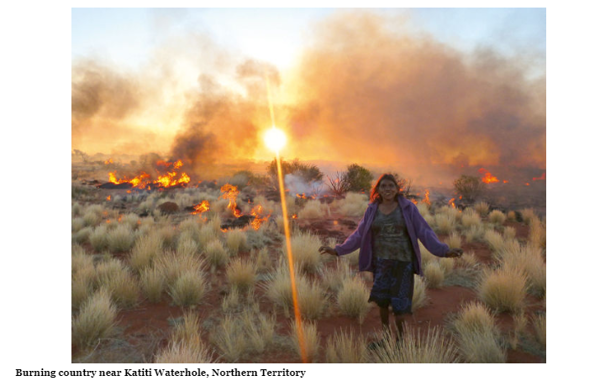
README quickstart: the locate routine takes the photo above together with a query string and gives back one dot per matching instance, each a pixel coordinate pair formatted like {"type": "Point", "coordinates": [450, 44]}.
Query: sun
{"type": "Point", "coordinates": [275, 139]}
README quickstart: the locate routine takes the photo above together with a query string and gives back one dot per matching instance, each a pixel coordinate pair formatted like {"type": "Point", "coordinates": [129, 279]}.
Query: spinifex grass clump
{"type": "Point", "coordinates": [482, 208]}
{"type": "Point", "coordinates": [305, 249]}
{"type": "Point", "coordinates": [215, 254]}
{"type": "Point", "coordinates": [310, 339]}
{"type": "Point", "coordinates": [419, 293]}
{"type": "Point", "coordinates": [346, 347]}
{"type": "Point", "coordinates": [145, 250]}
{"type": "Point", "coordinates": [152, 283]}
{"type": "Point", "coordinates": [433, 346]}
{"type": "Point", "coordinates": [95, 319]}
{"type": "Point", "coordinates": [454, 240]}
{"type": "Point", "coordinates": [99, 238]}
{"type": "Point", "coordinates": [497, 217]}
{"type": "Point", "coordinates": [241, 274]}
{"type": "Point", "coordinates": [353, 205]}
{"type": "Point", "coordinates": [119, 281]}
{"type": "Point", "coordinates": [121, 238]}
{"type": "Point", "coordinates": [434, 274]}
{"type": "Point", "coordinates": [529, 259]}
{"type": "Point", "coordinates": [444, 223]}
{"type": "Point", "coordinates": [189, 288]}
{"type": "Point", "coordinates": [279, 288]}
{"type": "Point", "coordinates": [503, 289]}
{"type": "Point", "coordinates": [470, 219]}
{"type": "Point", "coordinates": [236, 241]}
{"type": "Point", "coordinates": [243, 335]}
{"type": "Point", "coordinates": [334, 277]}
{"type": "Point", "coordinates": [312, 209]}
{"type": "Point", "coordinates": [312, 300]}
{"type": "Point", "coordinates": [185, 345]}
{"type": "Point", "coordinates": [352, 298]}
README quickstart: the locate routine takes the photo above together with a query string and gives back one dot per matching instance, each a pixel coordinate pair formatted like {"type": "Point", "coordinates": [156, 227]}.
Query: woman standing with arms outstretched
{"type": "Point", "coordinates": [387, 238]}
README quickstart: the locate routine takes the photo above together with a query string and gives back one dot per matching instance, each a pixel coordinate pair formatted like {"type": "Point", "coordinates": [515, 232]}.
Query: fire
{"type": "Point", "coordinates": [300, 195]}
{"type": "Point", "coordinates": [294, 216]}
{"type": "Point", "coordinates": [451, 202]}
{"type": "Point", "coordinates": [426, 199]}
{"type": "Point", "coordinates": [230, 192]}
{"type": "Point", "coordinates": [108, 198]}
{"type": "Point", "coordinates": [201, 208]}
{"type": "Point", "coordinates": [109, 161]}
{"type": "Point", "coordinates": [256, 212]}
{"type": "Point", "coordinates": [170, 179]}
{"type": "Point", "coordinates": [488, 178]}
{"type": "Point", "coordinates": [542, 177]}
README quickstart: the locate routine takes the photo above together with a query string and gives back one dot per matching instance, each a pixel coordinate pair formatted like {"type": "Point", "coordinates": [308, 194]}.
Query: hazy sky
{"type": "Point", "coordinates": [127, 36]}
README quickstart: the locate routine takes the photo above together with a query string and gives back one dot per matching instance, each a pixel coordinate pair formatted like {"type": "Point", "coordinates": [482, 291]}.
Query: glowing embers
{"type": "Point", "coordinates": [257, 212]}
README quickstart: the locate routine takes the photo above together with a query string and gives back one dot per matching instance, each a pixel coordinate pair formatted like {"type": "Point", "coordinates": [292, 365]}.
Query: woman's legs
{"type": "Point", "coordinates": [384, 314]}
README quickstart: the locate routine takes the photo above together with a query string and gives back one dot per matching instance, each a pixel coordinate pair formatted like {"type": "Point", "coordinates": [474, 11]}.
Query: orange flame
{"type": "Point", "coordinates": [201, 208]}
{"type": "Point", "coordinates": [108, 198]}
{"type": "Point", "coordinates": [294, 216]}
{"type": "Point", "coordinates": [487, 178]}
{"type": "Point", "coordinates": [542, 177]}
{"type": "Point", "coordinates": [256, 212]}
{"type": "Point", "coordinates": [426, 199]}
{"type": "Point", "coordinates": [230, 192]}
{"type": "Point", "coordinates": [109, 161]}
{"type": "Point", "coordinates": [451, 202]}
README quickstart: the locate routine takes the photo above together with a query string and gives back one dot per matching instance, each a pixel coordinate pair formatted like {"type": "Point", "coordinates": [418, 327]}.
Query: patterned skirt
{"type": "Point", "coordinates": [393, 284]}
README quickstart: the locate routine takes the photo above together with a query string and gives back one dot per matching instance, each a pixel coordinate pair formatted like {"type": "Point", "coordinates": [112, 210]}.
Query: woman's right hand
{"type": "Point", "coordinates": [327, 250]}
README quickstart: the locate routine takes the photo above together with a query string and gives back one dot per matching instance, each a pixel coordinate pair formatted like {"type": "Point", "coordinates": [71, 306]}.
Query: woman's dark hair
{"type": "Point", "coordinates": [375, 196]}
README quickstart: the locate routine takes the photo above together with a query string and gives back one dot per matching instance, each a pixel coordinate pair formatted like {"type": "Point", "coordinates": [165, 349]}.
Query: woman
{"type": "Point", "coordinates": [387, 238]}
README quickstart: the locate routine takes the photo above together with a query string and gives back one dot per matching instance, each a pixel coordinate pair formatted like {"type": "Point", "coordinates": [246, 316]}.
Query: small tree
{"type": "Point", "coordinates": [470, 187]}
{"type": "Point", "coordinates": [308, 172]}
{"type": "Point", "coordinates": [358, 178]}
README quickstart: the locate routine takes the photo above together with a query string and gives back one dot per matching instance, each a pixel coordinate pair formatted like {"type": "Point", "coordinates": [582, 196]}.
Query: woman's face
{"type": "Point", "coordinates": [388, 190]}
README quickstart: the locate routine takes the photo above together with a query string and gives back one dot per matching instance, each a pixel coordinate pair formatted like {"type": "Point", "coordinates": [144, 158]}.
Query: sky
{"type": "Point", "coordinates": [127, 36]}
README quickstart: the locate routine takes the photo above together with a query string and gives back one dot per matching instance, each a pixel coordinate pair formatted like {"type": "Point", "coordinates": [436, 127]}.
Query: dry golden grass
{"type": "Point", "coordinates": [537, 233]}
{"type": "Point", "coordinates": [168, 236]}
{"type": "Point", "coordinates": [305, 251]}
{"type": "Point", "coordinates": [334, 277]}
{"type": "Point", "coordinates": [173, 265]}
{"type": "Point", "coordinates": [236, 241]}
{"type": "Point", "coordinates": [99, 238]}
{"type": "Point", "coordinates": [528, 215]}
{"type": "Point", "coordinates": [415, 347]}
{"type": "Point", "coordinates": [419, 293]}
{"type": "Point", "coordinates": [528, 259]}
{"type": "Point", "coordinates": [346, 347]}
{"type": "Point", "coordinates": [229, 338]}
{"type": "Point", "coordinates": [497, 217]}
{"type": "Point", "coordinates": [482, 208]}
{"type": "Point", "coordinates": [511, 216]}
{"type": "Point", "coordinates": [215, 254]}
{"type": "Point", "coordinates": [539, 328]}
{"type": "Point", "coordinates": [469, 259]}
{"type": "Point", "coordinates": [95, 320]}
{"type": "Point", "coordinates": [444, 223]}
{"type": "Point", "coordinates": [503, 289]}
{"type": "Point", "coordinates": [434, 274]}
{"type": "Point", "coordinates": [426, 255]}
{"type": "Point", "coordinates": [189, 288]}
{"type": "Point", "coordinates": [145, 250]}
{"type": "Point", "coordinates": [83, 235]}
{"type": "Point", "coordinates": [494, 240]}
{"type": "Point", "coordinates": [279, 287]}
{"type": "Point", "coordinates": [77, 224]}
{"type": "Point", "coordinates": [186, 245]}
{"type": "Point", "coordinates": [241, 274]}
{"type": "Point", "coordinates": [480, 347]}
{"type": "Point", "coordinates": [509, 233]}
{"type": "Point", "coordinates": [262, 260]}
{"type": "Point", "coordinates": [423, 208]}
{"type": "Point", "coordinates": [259, 330]}
{"type": "Point", "coordinates": [353, 299]}
{"type": "Point", "coordinates": [475, 316]}
{"type": "Point", "coordinates": [447, 265]}
{"type": "Point", "coordinates": [313, 209]}
{"type": "Point", "coordinates": [119, 281]}
{"type": "Point", "coordinates": [353, 205]}
{"type": "Point", "coordinates": [310, 339]}
{"type": "Point", "coordinates": [185, 345]}
{"type": "Point", "coordinates": [474, 233]}
{"type": "Point", "coordinates": [152, 283]}
{"type": "Point", "coordinates": [82, 285]}
{"type": "Point", "coordinates": [454, 240]}
{"type": "Point", "coordinates": [92, 218]}
{"type": "Point", "coordinates": [312, 300]}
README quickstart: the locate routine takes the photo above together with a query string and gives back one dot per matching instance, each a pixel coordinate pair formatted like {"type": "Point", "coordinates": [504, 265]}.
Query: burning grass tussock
{"type": "Point", "coordinates": [95, 319]}
{"type": "Point", "coordinates": [346, 347]}
{"type": "Point", "coordinates": [434, 346]}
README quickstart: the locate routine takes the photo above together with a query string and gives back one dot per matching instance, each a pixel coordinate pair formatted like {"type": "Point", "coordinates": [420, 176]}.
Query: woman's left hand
{"type": "Point", "coordinates": [454, 253]}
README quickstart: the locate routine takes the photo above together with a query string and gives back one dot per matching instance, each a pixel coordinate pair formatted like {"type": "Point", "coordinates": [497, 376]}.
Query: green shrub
{"type": "Point", "coordinates": [358, 178]}
{"type": "Point", "coordinates": [470, 187]}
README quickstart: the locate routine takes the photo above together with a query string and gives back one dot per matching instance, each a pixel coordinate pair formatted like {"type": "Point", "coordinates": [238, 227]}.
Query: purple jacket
{"type": "Point", "coordinates": [417, 227]}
